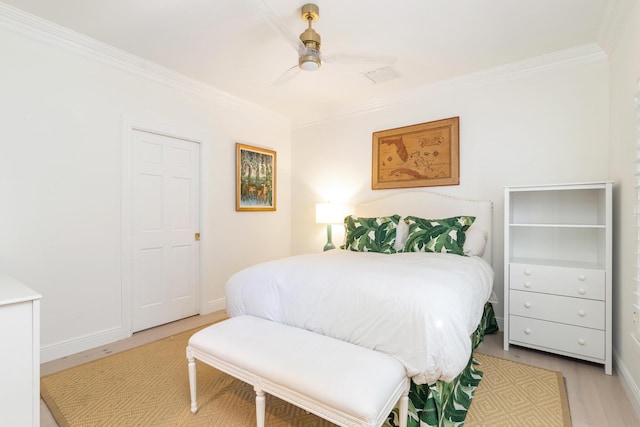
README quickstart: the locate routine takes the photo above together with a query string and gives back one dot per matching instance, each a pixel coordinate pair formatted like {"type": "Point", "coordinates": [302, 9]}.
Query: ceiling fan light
{"type": "Point", "coordinates": [309, 63]}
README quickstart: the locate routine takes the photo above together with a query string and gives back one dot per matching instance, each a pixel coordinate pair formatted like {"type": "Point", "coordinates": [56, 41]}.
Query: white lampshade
{"type": "Point", "coordinates": [332, 213]}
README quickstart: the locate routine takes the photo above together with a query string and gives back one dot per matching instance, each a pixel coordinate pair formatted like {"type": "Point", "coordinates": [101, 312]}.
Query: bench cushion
{"type": "Point", "coordinates": [355, 380]}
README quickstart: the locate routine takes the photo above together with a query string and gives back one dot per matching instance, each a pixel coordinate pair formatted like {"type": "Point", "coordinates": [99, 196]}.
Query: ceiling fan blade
{"type": "Point", "coordinates": [349, 58]}
{"type": "Point", "coordinates": [286, 76]}
{"type": "Point", "coordinates": [279, 26]}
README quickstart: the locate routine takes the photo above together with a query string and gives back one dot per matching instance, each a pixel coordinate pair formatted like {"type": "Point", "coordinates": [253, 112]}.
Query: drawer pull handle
{"type": "Point", "coordinates": [527, 304]}
{"type": "Point", "coordinates": [582, 291]}
{"type": "Point", "coordinates": [527, 285]}
{"type": "Point", "coordinates": [527, 272]}
{"type": "Point", "coordinates": [581, 341]}
{"type": "Point", "coordinates": [581, 313]}
{"type": "Point", "coordinates": [582, 277]}
{"type": "Point", "coordinates": [527, 331]}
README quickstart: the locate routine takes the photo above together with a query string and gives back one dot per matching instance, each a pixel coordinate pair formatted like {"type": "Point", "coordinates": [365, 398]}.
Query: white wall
{"type": "Point", "coordinates": [62, 114]}
{"type": "Point", "coordinates": [538, 126]}
{"type": "Point", "coordinates": [61, 132]}
{"type": "Point", "coordinates": [625, 73]}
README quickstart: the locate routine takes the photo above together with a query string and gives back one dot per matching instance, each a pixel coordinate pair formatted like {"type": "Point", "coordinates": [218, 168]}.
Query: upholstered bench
{"type": "Point", "coordinates": [341, 382]}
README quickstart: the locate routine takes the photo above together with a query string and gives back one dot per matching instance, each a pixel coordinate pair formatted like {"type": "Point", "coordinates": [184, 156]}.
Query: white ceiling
{"type": "Point", "coordinates": [230, 45]}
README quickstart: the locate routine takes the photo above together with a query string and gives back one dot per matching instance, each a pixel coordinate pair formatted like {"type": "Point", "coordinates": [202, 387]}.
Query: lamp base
{"type": "Point", "coordinates": [329, 244]}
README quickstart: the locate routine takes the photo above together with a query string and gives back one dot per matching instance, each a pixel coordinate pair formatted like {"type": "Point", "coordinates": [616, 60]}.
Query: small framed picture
{"type": "Point", "coordinates": [255, 178]}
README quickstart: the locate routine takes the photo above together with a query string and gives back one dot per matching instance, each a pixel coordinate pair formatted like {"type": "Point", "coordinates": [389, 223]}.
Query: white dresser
{"type": "Point", "coordinates": [19, 354]}
{"type": "Point", "coordinates": [557, 244]}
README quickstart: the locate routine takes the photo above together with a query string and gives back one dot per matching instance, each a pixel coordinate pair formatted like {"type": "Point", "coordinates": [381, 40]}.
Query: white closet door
{"type": "Point", "coordinates": [165, 220]}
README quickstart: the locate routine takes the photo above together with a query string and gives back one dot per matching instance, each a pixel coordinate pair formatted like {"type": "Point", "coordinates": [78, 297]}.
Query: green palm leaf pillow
{"type": "Point", "coordinates": [437, 235]}
{"type": "Point", "coordinates": [371, 234]}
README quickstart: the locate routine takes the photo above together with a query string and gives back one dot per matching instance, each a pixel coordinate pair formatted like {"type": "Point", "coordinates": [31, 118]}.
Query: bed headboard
{"type": "Point", "coordinates": [425, 204]}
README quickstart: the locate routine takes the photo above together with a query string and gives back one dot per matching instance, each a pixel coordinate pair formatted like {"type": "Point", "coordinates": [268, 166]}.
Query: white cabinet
{"type": "Point", "coordinates": [557, 293]}
{"type": "Point", "coordinates": [19, 354]}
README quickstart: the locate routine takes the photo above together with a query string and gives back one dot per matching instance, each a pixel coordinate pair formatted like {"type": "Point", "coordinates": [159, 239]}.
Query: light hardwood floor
{"type": "Point", "coordinates": [595, 399]}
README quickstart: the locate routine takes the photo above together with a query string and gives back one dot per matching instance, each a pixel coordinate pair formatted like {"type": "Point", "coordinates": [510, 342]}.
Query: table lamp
{"type": "Point", "coordinates": [331, 213]}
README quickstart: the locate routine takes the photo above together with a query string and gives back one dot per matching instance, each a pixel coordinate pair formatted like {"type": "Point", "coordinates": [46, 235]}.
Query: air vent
{"type": "Point", "coordinates": [382, 75]}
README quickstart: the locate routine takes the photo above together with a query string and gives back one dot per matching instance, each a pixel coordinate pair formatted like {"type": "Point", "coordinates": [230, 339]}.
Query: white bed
{"type": "Point", "coordinates": [419, 307]}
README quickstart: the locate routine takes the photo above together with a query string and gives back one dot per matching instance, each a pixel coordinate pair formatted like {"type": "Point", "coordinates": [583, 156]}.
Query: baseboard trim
{"type": "Point", "coordinates": [107, 336]}
{"type": "Point", "coordinates": [76, 345]}
{"type": "Point", "coordinates": [628, 384]}
{"type": "Point", "coordinates": [214, 305]}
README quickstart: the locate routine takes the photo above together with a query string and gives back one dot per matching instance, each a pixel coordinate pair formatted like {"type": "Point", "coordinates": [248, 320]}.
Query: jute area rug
{"type": "Point", "coordinates": [149, 386]}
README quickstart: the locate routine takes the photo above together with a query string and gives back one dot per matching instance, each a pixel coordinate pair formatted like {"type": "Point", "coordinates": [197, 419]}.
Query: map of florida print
{"type": "Point", "coordinates": [421, 155]}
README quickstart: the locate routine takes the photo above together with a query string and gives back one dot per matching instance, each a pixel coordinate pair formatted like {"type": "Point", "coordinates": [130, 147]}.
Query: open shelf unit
{"type": "Point", "coordinates": [558, 269]}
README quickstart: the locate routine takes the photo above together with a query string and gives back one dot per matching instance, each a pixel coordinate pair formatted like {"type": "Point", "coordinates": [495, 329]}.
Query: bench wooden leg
{"type": "Point", "coordinates": [192, 382]}
{"type": "Point", "coordinates": [403, 410]}
{"type": "Point", "coordinates": [260, 406]}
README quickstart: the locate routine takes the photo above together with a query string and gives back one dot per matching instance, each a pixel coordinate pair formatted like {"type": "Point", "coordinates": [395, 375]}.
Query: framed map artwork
{"type": "Point", "coordinates": [255, 178]}
{"type": "Point", "coordinates": [422, 155]}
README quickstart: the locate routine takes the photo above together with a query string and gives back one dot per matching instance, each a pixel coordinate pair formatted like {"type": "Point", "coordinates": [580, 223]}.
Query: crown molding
{"type": "Point", "coordinates": [40, 29]}
{"type": "Point", "coordinates": [577, 55]}
{"type": "Point", "coordinates": [37, 28]}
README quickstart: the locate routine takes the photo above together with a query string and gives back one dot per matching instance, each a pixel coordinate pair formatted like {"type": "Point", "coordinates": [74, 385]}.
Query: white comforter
{"type": "Point", "coordinates": [419, 307]}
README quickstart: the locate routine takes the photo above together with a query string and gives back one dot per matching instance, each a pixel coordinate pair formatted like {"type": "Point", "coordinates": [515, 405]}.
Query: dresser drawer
{"type": "Point", "coordinates": [557, 336]}
{"type": "Point", "coordinates": [572, 282]}
{"type": "Point", "coordinates": [573, 311]}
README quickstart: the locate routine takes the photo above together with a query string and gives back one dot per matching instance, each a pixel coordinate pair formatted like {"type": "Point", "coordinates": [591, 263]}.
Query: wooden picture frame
{"type": "Point", "coordinates": [255, 178]}
{"type": "Point", "coordinates": [421, 155]}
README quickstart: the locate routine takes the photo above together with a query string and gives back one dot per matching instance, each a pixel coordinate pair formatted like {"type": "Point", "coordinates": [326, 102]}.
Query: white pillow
{"type": "Point", "coordinates": [476, 241]}
{"type": "Point", "coordinates": [402, 232]}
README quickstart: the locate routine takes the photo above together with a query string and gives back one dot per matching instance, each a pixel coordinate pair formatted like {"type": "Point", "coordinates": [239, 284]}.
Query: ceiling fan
{"type": "Point", "coordinates": [307, 45]}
